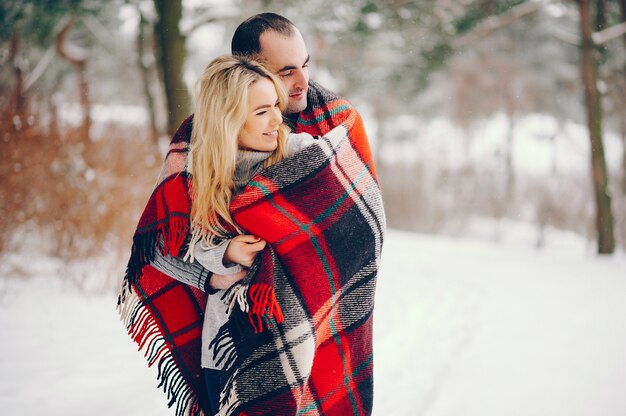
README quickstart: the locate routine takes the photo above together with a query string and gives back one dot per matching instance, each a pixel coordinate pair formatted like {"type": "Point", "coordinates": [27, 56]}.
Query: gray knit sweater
{"type": "Point", "coordinates": [208, 260]}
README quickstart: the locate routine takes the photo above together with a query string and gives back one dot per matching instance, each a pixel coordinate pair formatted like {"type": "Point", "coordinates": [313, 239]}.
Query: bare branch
{"type": "Point", "coordinates": [565, 36]}
{"type": "Point", "coordinates": [73, 54]}
{"type": "Point", "coordinates": [104, 37]}
{"type": "Point", "coordinates": [211, 16]}
{"type": "Point", "coordinates": [494, 23]}
{"type": "Point", "coordinates": [609, 33]}
{"type": "Point", "coordinates": [40, 68]}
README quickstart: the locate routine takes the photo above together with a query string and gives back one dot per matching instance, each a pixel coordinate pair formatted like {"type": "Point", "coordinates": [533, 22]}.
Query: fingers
{"type": "Point", "coordinates": [253, 243]}
{"type": "Point", "coordinates": [243, 249]}
{"type": "Point", "coordinates": [247, 238]}
{"type": "Point", "coordinates": [258, 246]}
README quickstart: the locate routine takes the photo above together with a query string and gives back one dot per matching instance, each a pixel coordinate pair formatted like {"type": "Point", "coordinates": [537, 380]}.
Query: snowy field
{"type": "Point", "coordinates": [463, 327]}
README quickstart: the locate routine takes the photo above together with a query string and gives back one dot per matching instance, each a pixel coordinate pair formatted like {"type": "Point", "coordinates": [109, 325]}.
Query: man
{"type": "Point", "coordinates": [340, 380]}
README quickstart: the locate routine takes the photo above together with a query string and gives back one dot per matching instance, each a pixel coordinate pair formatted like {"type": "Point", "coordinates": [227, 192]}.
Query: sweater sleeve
{"type": "Point", "coordinates": [192, 274]}
{"type": "Point", "coordinates": [197, 273]}
{"type": "Point", "coordinates": [212, 258]}
{"type": "Point", "coordinates": [297, 142]}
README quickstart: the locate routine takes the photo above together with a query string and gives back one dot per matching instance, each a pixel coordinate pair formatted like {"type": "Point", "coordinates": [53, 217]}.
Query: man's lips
{"type": "Point", "coordinates": [297, 94]}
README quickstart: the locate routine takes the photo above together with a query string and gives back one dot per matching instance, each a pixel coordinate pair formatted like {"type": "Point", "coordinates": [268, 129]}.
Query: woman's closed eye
{"type": "Point", "coordinates": [262, 112]}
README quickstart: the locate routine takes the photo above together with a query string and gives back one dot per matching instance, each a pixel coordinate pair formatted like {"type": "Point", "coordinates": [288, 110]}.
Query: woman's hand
{"type": "Point", "coordinates": [243, 249]}
{"type": "Point", "coordinates": [224, 281]}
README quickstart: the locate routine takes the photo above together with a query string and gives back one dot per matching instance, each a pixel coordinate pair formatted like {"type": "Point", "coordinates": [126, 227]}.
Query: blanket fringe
{"type": "Point", "coordinates": [174, 236]}
{"type": "Point", "coordinates": [228, 397]}
{"type": "Point", "coordinates": [237, 294]}
{"type": "Point", "coordinates": [170, 238]}
{"type": "Point", "coordinates": [223, 347]}
{"type": "Point", "coordinates": [144, 331]}
{"type": "Point", "coordinates": [141, 253]}
{"type": "Point", "coordinates": [263, 305]}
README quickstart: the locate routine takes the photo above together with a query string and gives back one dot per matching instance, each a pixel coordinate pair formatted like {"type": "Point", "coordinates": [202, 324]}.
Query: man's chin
{"type": "Point", "coordinates": [296, 106]}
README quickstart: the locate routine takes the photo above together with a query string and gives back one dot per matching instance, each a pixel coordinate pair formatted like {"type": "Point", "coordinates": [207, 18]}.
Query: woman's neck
{"type": "Point", "coordinates": [249, 162]}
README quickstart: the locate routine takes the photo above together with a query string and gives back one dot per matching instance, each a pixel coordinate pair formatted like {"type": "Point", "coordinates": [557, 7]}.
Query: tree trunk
{"type": "Point", "coordinates": [600, 22]}
{"type": "Point", "coordinates": [78, 59]}
{"type": "Point", "coordinates": [145, 78]}
{"type": "Point", "coordinates": [604, 215]}
{"type": "Point", "coordinates": [599, 25]}
{"type": "Point", "coordinates": [85, 102]}
{"type": "Point", "coordinates": [54, 117]}
{"type": "Point", "coordinates": [509, 190]}
{"type": "Point", "coordinates": [622, 6]}
{"type": "Point", "coordinates": [17, 106]}
{"type": "Point", "coordinates": [171, 54]}
{"type": "Point", "coordinates": [623, 123]}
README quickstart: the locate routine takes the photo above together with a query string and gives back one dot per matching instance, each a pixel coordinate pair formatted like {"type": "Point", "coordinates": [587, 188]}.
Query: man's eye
{"type": "Point", "coordinates": [285, 74]}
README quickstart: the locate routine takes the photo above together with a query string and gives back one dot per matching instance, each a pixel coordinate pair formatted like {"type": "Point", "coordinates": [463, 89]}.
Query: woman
{"type": "Point", "coordinates": [237, 131]}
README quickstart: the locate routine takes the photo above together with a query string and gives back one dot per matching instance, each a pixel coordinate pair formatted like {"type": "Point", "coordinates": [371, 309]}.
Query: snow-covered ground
{"type": "Point", "coordinates": [463, 327]}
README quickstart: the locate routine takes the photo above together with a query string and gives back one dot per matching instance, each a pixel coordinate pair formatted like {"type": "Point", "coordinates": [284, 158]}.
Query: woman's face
{"type": "Point", "coordinates": [260, 130]}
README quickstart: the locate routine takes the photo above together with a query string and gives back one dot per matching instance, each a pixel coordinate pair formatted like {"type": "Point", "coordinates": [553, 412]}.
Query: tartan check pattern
{"type": "Point", "coordinates": [304, 345]}
{"type": "Point", "coordinates": [322, 215]}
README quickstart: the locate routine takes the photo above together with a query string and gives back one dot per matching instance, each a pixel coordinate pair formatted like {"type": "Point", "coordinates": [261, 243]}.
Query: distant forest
{"type": "Point", "coordinates": [71, 174]}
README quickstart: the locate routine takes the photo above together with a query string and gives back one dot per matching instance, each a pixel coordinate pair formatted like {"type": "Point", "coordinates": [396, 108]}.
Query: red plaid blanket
{"type": "Point", "coordinates": [299, 338]}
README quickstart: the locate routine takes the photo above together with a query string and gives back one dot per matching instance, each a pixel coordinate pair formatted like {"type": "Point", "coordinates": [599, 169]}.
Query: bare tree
{"type": "Point", "coordinates": [18, 102]}
{"type": "Point", "coordinates": [588, 71]}
{"type": "Point", "coordinates": [77, 57]}
{"type": "Point", "coordinates": [145, 76]}
{"type": "Point", "coordinates": [622, 6]}
{"type": "Point", "coordinates": [171, 52]}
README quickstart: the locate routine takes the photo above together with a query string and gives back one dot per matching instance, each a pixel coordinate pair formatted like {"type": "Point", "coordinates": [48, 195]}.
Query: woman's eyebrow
{"type": "Point", "coordinates": [262, 106]}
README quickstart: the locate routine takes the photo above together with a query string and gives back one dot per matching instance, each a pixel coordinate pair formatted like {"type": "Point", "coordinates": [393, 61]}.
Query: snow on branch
{"type": "Point", "coordinates": [565, 36]}
{"type": "Point", "coordinates": [75, 55]}
{"type": "Point", "coordinates": [598, 38]}
{"type": "Point", "coordinates": [41, 67]}
{"type": "Point", "coordinates": [608, 34]}
{"type": "Point", "coordinates": [188, 27]}
{"type": "Point", "coordinates": [494, 23]}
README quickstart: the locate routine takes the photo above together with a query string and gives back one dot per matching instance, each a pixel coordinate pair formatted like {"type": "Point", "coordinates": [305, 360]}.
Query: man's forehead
{"type": "Point", "coordinates": [279, 50]}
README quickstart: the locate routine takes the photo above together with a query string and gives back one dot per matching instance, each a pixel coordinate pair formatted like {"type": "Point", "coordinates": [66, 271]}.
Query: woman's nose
{"type": "Point", "coordinates": [277, 116]}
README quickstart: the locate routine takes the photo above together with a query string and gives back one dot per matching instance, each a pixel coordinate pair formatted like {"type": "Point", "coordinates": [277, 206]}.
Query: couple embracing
{"type": "Point", "coordinates": [252, 273]}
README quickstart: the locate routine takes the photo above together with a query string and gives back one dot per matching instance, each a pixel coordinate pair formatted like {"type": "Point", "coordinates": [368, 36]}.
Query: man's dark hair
{"type": "Point", "coordinates": [247, 35]}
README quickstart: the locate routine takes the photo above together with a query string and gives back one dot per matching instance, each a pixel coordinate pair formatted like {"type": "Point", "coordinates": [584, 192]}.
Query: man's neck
{"type": "Point", "coordinates": [291, 119]}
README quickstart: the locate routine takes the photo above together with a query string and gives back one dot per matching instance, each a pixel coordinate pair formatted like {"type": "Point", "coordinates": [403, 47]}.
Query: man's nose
{"type": "Point", "coordinates": [302, 79]}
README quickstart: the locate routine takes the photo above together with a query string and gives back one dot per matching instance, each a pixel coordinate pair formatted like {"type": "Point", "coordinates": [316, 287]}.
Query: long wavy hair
{"type": "Point", "coordinates": [221, 107]}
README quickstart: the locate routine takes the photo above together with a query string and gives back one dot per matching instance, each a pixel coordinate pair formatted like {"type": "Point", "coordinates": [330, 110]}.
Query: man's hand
{"type": "Point", "coordinates": [243, 249]}
{"type": "Point", "coordinates": [224, 281]}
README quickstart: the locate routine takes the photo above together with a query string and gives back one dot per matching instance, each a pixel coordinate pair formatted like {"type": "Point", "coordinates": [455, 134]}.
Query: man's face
{"type": "Point", "coordinates": [287, 57]}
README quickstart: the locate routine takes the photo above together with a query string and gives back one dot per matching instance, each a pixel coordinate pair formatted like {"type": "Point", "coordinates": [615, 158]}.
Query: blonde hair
{"type": "Point", "coordinates": [221, 99]}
